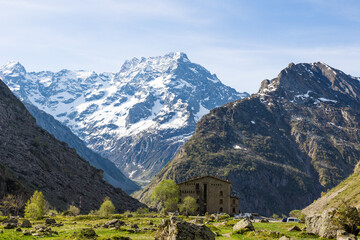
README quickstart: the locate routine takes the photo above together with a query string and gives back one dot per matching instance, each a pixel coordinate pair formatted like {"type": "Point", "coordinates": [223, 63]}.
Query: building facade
{"type": "Point", "coordinates": [212, 194]}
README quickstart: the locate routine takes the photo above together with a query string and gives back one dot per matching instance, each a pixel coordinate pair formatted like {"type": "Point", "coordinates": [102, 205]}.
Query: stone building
{"type": "Point", "coordinates": [212, 194]}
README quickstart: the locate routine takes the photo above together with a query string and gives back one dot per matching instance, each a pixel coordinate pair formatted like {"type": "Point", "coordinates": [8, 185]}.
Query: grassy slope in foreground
{"type": "Point", "coordinates": [348, 190]}
{"type": "Point", "coordinates": [222, 227]}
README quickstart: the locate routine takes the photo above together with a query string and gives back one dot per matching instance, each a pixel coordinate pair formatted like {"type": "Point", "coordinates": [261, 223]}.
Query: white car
{"type": "Point", "coordinates": [292, 219]}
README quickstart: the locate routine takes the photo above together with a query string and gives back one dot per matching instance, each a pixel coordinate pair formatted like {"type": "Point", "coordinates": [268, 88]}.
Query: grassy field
{"type": "Point", "coordinates": [223, 228]}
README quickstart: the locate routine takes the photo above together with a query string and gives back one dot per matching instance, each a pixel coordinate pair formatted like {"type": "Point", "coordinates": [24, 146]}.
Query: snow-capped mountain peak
{"type": "Point", "coordinates": [151, 102]}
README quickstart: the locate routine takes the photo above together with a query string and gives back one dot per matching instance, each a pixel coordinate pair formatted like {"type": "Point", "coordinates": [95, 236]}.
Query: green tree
{"type": "Point", "coordinates": [35, 206]}
{"type": "Point", "coordinates": [347, 217]}
{"type": "Point", "coordinates": [107, 208]}
{"type": "Point", "coordinates": [166, 194]}
{"type": "Point", "coordinates": [188, 206]}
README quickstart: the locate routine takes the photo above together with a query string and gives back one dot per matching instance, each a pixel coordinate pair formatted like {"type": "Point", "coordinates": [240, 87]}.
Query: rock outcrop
{"type": "Point", "coordinates": [322, 225]}
{"type": "Point", "coordinates": [176, 228]}
{"type": "Point", "coordinates": [111, 174]}
{"type": "Point", "coordinates": [244, 225]}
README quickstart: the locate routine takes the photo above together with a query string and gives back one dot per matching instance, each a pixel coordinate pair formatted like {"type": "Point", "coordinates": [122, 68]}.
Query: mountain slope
{"type": "Point", "coordinates": [298, 136]}
{"type": "Point", "coordinates": [138, 117]}
{"type": "Point", "coordinates": [347, 191]}
{"type": "Point", "coordinates": [34, 160]}
{"type": "Point", "coordinates": [111, 173]}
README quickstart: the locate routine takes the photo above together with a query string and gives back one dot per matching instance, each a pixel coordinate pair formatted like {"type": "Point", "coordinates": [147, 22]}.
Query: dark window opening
{"type": "Point", "coordinates": [233, 210]}
{"type": "Point", "coordinates": [221, 201]}
{"type": "Point", "coordinates": [205, 193]}
{"type": "Point", "coordinates": [221, 193]}
{"type": "Point", "coordinates": [221, 209]}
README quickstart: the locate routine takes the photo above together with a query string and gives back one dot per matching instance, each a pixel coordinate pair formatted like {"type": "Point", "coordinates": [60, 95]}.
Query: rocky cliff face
{"type": "Point", "coordinates": [111, 173]}
{"type": "Point", "coordinates": [138, 117]}
{"type": "Point", "coordinates": [280, 148]}
{"type": "Point", "coordinates": [32, 159]}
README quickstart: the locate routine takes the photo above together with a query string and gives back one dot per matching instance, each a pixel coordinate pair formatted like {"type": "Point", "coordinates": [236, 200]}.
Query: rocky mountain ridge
{"type": "Point", "coordinates": [138, 117]}
{"type": "Point", "coordinates": [32, 159]}
{"type": "Point", "coordinates": [111, 173]}
{"type": "Point", "coordinates": [280, 148]}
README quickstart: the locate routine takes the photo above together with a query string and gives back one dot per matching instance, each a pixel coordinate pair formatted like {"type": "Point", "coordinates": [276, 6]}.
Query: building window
{"type": "Point", "coordinates": [233, 201]}
{"type": "Point", "coordinates": [197, 200]}
{"type": "Point", "coordinates": [233, 210]}
{"type": "Point", "coordinates": [221, 209]}
{"type": "Point", "coordinates": [221, 201]}
{"type": "Point", "coordinates": [221, 193]}
{"type": "Point", "coordinates": [197, 186]}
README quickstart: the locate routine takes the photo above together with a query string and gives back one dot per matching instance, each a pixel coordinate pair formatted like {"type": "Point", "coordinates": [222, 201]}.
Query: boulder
{"type": "Point", "coordinates": [115, 223]}
{"type": "Point", "coordinates": [10, 226]}
{"type": "Point", "coordinates": [343, 235]}
{"type": "Point", "coordinates": [37, 227]}
{"type": "Point", "coordinates": [88, 233]}
{"type": "Point", "coordinates": [26, 224]}
{"type": "Point", "coordinates": [264, 220]}
{"type": "Point", "coordinates": [322, 225]}
{"type": "Point", "coordinates": [294, 228]}
{"type": "Point", "coordinates": [134, 226]}
{"type": "Point", "coordinates": [284, 238]}
{"type": "Point", "coordinates": [50, 221]}
{"type": "Point", "coordinates": [176, 228]}
{"type": "Point", "coordinates": [244, 225]}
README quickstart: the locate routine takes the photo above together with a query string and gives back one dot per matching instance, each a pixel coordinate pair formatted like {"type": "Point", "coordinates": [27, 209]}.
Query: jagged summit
{"type": "Point", "coordinates": [138, 117]}
{"type": "Point", "coordinates": [13, 68]}
{"type": "Point", "coordinates": [311, 84]}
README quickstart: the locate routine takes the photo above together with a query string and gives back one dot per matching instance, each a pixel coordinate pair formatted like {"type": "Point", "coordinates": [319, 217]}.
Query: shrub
{"type": "Point", "coordinates": [188, 206]}
{"type": "Point", "coordinates": [298, 214]}
{"type": "Point", "coordinates": [35, 206]}
{"type": "Point", "coordinates": [52, 212]}
{"type": "Point", "coordinates": [347, 217]}
{"type": "Point", "coordinates": [74, 210]}
{"type": "Point", "coordinates": [107, 208]}
{"type": "Point", "coordinates": [142, 211]}
{"type": "Point", "coordinates": [85, 233]}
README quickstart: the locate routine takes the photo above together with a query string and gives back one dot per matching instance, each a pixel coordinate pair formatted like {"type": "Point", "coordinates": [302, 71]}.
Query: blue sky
{"type": "Point", "coordinates": [243, 42]}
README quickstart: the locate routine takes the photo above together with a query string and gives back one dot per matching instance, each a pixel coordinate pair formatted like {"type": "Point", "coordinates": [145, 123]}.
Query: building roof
{"type": "Point", "coordinates": [208, 176]}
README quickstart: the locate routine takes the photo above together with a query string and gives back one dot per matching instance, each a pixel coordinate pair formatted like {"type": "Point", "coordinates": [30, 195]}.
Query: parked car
{"type": "Point", "coordinates": [243, 215]}
{"type": "Point", "coordinates": [292, 219]}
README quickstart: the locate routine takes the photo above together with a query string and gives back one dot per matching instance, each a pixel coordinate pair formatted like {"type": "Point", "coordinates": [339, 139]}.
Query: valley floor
{"type": "Point", "coordinates": [147, 226]}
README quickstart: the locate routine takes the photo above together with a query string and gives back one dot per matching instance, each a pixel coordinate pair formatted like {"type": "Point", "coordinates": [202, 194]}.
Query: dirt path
{"type": "Point", "coordinates": [226, 235]}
